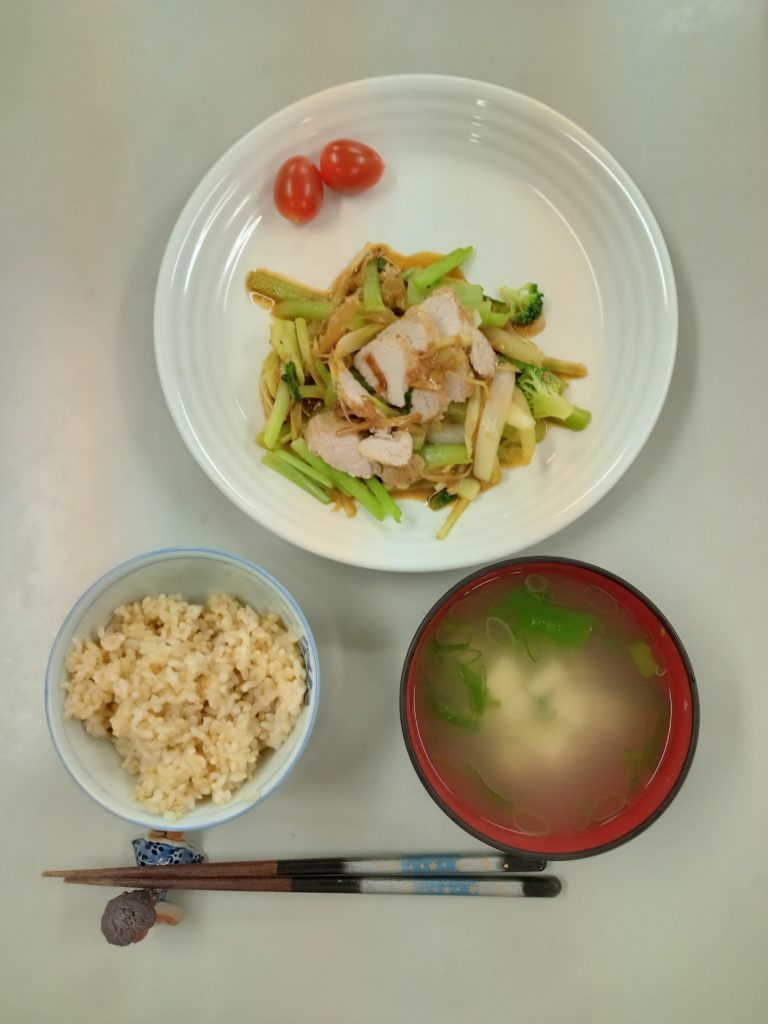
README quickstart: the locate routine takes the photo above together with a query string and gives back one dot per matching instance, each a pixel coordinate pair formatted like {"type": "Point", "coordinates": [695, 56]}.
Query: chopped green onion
{"type": "Point", "coordinates": [291, 473]}
{"type": "Point", "coordinates": [307, 309]}
{"type": "Point", "coordinates": [311, 391]}
{"type": "Point", "coordinates": [438, 455]}
{"type": "Point", "coordinates": [371, 288]}
{"type": "Point", "coordinates": [491, 790]}
{"type": "Point", "coordinates": [446, 713]}
{"type": "Point", "coordinates": [475, 685]}
{"type": "Point", "coordinates": [277, 415]}
{"type": "Point", "coordinates": [386, 500]}
{"type": "Point", "coordinates": [453, 636]}
{"type": "Point", "coordinates": [642, 655]}
{"type": "Point", "coordinates": [494, 624]}
{"type": "Point", "coordinates": [440, 499]}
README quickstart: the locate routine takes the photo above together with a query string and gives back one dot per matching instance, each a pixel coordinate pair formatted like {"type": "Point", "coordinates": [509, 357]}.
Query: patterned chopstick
{"type": "Point", "coordinates": [435, 885]}
{"type": "Point", "coordinates": [419, 866]}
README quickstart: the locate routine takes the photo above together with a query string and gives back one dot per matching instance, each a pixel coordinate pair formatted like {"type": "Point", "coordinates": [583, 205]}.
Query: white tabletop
{"type": "Point", "coordinates": [109, 115]}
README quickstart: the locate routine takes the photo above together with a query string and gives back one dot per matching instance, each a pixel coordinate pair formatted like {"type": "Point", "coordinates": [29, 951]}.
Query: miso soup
{"type": "Point", "coordinates": [542, 703]}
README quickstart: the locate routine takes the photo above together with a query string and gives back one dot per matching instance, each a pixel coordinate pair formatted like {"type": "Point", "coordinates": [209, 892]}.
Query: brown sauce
{"type": "Point", "coordinates": [531, 330]}
{"type": "Point", "coordinates": [422, 494]}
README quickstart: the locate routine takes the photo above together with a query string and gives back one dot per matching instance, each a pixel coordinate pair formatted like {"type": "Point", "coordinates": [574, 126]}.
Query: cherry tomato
{"type": "Point", "coordinates": [298, 190]}
{"type": "Point", "coordinates": [350, 166]}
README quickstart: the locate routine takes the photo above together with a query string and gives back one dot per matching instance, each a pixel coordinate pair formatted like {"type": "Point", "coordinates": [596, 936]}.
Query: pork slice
{"type": "Point", "coordinates": [447, 312]}
{"type": "Point", "coordinates": [388, 448]}
{"type": "Point", "coordinates": [385, 363]}
{"type": "Point", "coordinates": [481, 355]}
{"type": "Point", "coordinates": [342, 451]}
{"type": "Point", "coordinates": [416, 327]}
{"type": "Point", "coordinates": [402, 477]}
{"type": "Point", "coordinates": [430, 405]}
{"type": "Point", "coordinates": [352, 394]}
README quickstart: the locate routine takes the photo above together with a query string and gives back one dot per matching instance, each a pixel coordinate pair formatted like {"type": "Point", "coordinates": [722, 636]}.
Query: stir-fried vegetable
{"type": "Point", "coordinates": [428, 370]}
{"type": "Point", "coordinates": [492, 422]}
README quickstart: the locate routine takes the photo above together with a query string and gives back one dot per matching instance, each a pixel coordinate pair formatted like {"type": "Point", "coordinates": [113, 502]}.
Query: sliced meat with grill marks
{"type": "Point", "coordinates": [386, 363]}
{"type": "Point", "coordinates": [352, 395]}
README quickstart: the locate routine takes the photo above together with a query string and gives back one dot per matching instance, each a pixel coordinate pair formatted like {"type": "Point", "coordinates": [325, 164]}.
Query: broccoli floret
{"type": "Point", "coordinates": [525, 304]}
{"type": "Point", "coordinates": [543, 391]}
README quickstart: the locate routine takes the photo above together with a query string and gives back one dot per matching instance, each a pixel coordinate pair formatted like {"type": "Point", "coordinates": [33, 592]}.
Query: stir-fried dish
{"type": "Point", "coordinates": [406, 380]}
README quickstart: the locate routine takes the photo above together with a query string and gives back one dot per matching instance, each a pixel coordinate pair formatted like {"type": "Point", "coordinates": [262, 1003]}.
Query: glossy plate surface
{"type": "Point", "coordinates": [467, 163]}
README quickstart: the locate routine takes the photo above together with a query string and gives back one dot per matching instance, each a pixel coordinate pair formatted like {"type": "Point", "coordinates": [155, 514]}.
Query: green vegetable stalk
{"type": "Point", "coordinates": [291, 379]}
{"type": "Point", "coordinates": [437, 456]}
{"type": "Point", "coordinates": [371, 288]}
{"type": "Point", "coordinates": [578, 420]}
{"type": "Point", "coordinates": [277, 415]}
{"type": "Point", "coordinates": [279, 289]}
{"type": "Point", "coordinates": [347, 484]}
{"type": "Point", "coordinates": [306, 309]}
{"type": "Point", "coordinates": [272, 461]}
{"type": "Point", "coordinates": [422, 279]}
{"type": "Point", "coordinates": [384, 498]}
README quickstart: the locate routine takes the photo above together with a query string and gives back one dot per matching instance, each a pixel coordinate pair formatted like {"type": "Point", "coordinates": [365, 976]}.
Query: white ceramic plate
{"type": "Point", "coordinates": [467, 163]}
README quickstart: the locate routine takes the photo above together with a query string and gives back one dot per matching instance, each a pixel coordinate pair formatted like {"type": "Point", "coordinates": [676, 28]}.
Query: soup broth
{"type": "Point", "coordinates": [542, 703]}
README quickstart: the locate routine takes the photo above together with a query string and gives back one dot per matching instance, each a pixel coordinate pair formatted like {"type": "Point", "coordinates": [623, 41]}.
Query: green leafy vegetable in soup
{"type": "Point", "coordinates": [536, 710]}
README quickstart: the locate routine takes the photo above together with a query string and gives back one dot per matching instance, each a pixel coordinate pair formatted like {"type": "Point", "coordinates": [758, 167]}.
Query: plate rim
{"type": "Point", "coordinates": [382, 562]}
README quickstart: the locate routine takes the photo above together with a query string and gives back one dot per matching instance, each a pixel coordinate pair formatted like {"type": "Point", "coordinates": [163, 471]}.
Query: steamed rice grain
{"type": "Point", "coordinates": [189, 694]}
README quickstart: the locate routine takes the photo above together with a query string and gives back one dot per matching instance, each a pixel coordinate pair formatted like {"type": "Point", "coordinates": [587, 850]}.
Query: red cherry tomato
{"type": "Point", "coordinates": [350, 166]}
{"type": "Point", "coordinates": [298, 190]}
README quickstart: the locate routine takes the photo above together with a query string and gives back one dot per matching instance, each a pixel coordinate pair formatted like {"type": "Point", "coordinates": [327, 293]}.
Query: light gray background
{"type": "Point", "coordinates": [109, 115]}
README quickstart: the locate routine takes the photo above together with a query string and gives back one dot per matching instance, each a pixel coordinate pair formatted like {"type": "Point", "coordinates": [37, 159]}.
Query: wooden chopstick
{"type": "Point", "coordinates": [446, 865]}
{"type": "Point", "coordinates": [432, 885]}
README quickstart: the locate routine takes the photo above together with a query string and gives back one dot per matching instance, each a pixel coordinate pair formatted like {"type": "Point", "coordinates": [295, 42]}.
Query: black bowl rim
{"type": "Point", "coordinates": [647, 822]}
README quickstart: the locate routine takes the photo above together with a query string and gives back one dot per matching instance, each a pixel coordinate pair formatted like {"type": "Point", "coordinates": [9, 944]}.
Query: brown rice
{"type": "Point", "coordinates": [189, 694]}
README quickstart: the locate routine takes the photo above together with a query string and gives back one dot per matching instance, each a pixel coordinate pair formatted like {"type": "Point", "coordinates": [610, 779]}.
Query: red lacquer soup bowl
{"type": "Point", "coordinates": [673, 753]}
